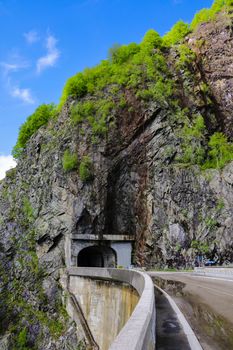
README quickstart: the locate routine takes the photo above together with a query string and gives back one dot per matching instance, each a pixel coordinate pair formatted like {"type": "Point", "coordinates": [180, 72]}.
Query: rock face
{"type": "Point", "coordinates": [138, 188]}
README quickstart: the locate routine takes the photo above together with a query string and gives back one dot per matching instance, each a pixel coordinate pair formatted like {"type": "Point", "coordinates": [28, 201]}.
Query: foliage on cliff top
{"type": "Point", "coordinates": [139, 67]}
{"type": "Point", "coordinates": [126, 63]}
{"type": "Point", "coordinates": [40, 117]}
{"type": "Point", "coordinates": [206, 15]}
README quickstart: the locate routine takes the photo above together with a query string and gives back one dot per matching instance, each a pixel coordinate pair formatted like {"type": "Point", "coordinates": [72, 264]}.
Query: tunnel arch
{"type": "Point", "coordinates": [97, 256]}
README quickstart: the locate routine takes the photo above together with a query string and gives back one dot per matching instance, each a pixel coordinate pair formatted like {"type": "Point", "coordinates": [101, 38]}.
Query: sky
{"type": "Point", "coordinates": [44, 42]}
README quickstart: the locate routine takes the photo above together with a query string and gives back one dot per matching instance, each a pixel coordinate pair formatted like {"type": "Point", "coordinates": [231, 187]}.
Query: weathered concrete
{"type": "Point", "coordinates": [139, 331]}
{"type": "Point", "coordinates": [106, 305]}
{"type": "Point", "coordinates": [219, 272]}
{"type": "Point", "coordinates": [120, 244]}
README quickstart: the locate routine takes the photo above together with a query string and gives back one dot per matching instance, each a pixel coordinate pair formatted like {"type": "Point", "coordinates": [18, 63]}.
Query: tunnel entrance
{"type": "Point", "coordinates": [96, 256]}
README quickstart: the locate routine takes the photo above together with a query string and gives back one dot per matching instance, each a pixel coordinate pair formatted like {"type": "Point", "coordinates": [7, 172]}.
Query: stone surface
{"type": "Point", "coordinates": [138, 190]}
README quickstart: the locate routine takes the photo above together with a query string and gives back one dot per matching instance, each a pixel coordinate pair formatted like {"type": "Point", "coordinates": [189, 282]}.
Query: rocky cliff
{"type": "Point", "coordinates": [130, 159]}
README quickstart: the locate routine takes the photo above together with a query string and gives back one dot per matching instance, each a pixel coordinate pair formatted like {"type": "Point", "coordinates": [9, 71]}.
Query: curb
{"type": "Point", "coordinates": [191, 336]}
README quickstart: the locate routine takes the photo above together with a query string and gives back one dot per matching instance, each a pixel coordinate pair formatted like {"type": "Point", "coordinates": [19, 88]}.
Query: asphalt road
{"type": "Point", "coordinates": [207, 304]}
{"type": "Point", "coordinates": [169, 332]}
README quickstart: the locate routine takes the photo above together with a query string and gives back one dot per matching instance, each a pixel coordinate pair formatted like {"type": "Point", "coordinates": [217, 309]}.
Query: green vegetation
{"type": "Point", "coordinates": [95, 113]}
{"type": "Point", "coordinates": [200, 247]}
{"type": "Point", "coordinates": [186, 56]}
{"type": "Point", "coordinates": [75, 87]}
{"type": "Point", "coordinates": [192, 139]}
{"type": "Point", "coordinates": [140, 69]}
{"type": "Point", "coordinates": [176, 34]}
{"type": "Point", "coordinates": [22, 340]}
{"type": "Point", "coordinates": [85, 169]}
{"type": "Point", "coordinates": [211, 222]}
{"type": "Point", "coordinates": [220, 151]}
{"type": "Point", "coordinates": [82, 111]}
{"type": "Point", "coordinates": [216, 154]}
{"type": "Point", "coordinates": [121, 54]}
{"type": "Point", "coordinates": [28, 210]}
{"type": "Point", "coordinates": [131, 66]}
{"type": "Point", "coordinates": [69, 161]}
{"type": "Point", "coordinates": [40, 117]}
{"type": "Point", "coordinates": [206, 15]}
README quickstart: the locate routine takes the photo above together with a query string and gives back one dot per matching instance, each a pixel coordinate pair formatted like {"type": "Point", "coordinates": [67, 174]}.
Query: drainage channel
{"type": "Point", "coordinates": [173, 331]}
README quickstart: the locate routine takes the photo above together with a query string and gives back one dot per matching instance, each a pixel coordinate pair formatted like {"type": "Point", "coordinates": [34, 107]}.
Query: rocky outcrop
{"type": "Point", "coordinates": [138, 188]}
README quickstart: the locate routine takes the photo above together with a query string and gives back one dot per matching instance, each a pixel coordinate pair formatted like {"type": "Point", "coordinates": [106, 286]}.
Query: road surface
{"type": "Point", "coordinates": [207, 304]}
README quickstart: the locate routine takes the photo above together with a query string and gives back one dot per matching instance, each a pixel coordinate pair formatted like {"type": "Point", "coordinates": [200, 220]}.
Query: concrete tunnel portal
{"type": "Point", "coordinates": [97, 256]}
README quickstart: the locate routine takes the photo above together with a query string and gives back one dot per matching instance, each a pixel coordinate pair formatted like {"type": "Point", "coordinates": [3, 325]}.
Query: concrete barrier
{"type": "Point", "coordinates": [139, 331]}
{"type": "Point", "coordinates": [219, 272]}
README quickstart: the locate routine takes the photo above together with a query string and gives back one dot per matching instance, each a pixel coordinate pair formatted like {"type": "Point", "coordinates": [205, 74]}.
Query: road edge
{"type": "Point", "coordinates": [191, 336]}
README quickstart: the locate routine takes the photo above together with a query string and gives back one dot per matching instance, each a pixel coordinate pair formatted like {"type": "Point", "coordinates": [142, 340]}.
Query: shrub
{"type": "Point", "coordinates": [220, 153]}
{"type": "Point", "coordinates": [121, 54]}
{"type": "Point", "coordinates": [200, 247]}
{"type": "Point", "coordinates": [186, 56]}
{"type": "Point", "coordinates": [82, 111]}
{"type": "Point", "coordinates": [85, 171]}
{"type": "Point", "coordinates": [28, 210]}
{"type": "Point", "coordinates": [40, 117]}
{"type": "Point", "coordinates": [176, 34]}
{"type": "Point", "coordinates": [75, 86]}
{"type": "Point", "coordinates": [151, 40]}
{"type": "Point", "coordinates": [206, 15]}
{"type": "Point", "coordinates": [22, 340]}
{"type": "Point", "coordinates": [192, 137]}
{"type": "Point", "coordinates": [69, 161]}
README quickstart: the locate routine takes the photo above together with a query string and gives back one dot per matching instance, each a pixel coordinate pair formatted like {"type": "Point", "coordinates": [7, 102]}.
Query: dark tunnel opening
{"type": "Point", "coordinates": [96, 256]}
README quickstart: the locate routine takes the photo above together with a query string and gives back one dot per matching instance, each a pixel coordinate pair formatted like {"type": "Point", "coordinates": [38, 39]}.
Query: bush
{"type": "Point", "coordinates": [85, 171]}
{"type": "Point", "coordinates": [186, 56]}
{"type": "Point", "coordinates": [206, 15]}
{"type": "Point", "coordinates": [176, 34]}
{"type": "Point", "coordinates": [40, 117]}
{"type": "Point", "coordinates": [152, 40]}
{"type": "Point", "coordinates": [22, 340]}
{"type": "Point", "coordinates": [220, 153]}
{"type": "Point", "coordinates": [121, 54]}
{"type": "Point", "coordinates": [82, 111]}
{"type": "Point", "coordinates": [75, 86]}
{"type": "Point", "coordinates": [69, 161]}
{"type": "Point", "coordinates": [192, 138]}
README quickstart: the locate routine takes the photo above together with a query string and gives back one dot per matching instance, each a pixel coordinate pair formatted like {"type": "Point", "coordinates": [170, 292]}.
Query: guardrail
{"type": "Point", "coordinates": [139, 331]}
{"type": "Point", "coordinates": [222, 272]}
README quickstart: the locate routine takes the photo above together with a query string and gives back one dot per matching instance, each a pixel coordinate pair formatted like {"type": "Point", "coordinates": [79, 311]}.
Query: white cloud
{"type": "Point", "coordinates": [50, 59]}
{"type": "Point", "coordinates": [31, 37]}
{"type": "Point", "coordinates": [6, 163]}
{"type": "Point", "coordinates": [23, 94]}
{"type": "Point", "coordinates": [12, 67]}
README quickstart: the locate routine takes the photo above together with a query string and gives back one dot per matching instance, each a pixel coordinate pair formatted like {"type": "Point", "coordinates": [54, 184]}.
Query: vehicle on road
{"type": "Point", "coordinates": [210, 262]}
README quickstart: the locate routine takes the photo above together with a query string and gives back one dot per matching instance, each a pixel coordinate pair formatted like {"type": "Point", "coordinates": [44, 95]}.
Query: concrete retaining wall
{"type": "Point", "coordinates": [222, 272]}
{"type": "Point", "coordinates": [139, 331]}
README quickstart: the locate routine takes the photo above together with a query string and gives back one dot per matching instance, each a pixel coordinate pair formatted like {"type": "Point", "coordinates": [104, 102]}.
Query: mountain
{"type": "Point", "coordinates": [139, 145]}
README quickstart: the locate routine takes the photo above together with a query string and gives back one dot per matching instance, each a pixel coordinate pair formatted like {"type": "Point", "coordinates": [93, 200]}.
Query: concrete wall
{"type": "Point", "coordinates": [123, 251]}
{"type": "Point", "coordinates": [139, 331]}
{"type": "Point", "coordinates": [222, 272]}
{"type": "Point", "coordinates": [107, 306]}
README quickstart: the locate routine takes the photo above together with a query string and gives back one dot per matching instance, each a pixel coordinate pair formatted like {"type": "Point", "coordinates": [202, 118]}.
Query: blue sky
{"type": "Point", "coordinates": [46, 41]}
